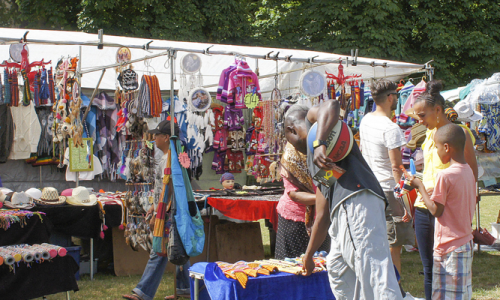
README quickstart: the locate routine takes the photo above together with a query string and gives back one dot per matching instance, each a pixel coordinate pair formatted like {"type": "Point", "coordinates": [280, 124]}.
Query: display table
{"type": "Point", "coordinates": [208, 282]}
{"type": "Point", "coordinates": [49, 277]}
{"type": "Point", "coordinates": [79, 221]}
{"type": "Point", "coordinates": [35, 231]}
{"type": "Point", "coordinates": [247, 208]}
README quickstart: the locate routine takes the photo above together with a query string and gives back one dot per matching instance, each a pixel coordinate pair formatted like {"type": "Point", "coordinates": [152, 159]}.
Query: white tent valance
{"type": "Point", "coordinates": [53, 45]}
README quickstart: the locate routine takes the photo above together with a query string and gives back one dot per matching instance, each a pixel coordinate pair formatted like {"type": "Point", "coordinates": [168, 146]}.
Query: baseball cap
{"type": "Point", "coordinates": [164, 128]}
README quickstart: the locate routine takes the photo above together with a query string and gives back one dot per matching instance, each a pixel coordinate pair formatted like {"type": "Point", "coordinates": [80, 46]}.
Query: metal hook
{"type": "Point", "coordinates": [267, 55]}
{"type": "Point", "coordinates": [207, 50]}
{"type": "Point", "coordinates": [24, 36]}
{"type": "Point", "coordinates": [310, 60]}
{"type": "Point", "coordinates": [146, 46]}
{"type": "Point", "coordinates": [287, 58]}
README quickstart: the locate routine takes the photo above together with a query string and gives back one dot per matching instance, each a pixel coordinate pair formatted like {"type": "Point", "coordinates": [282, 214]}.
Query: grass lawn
{"type": "Point", "coordinates": [485, 280]}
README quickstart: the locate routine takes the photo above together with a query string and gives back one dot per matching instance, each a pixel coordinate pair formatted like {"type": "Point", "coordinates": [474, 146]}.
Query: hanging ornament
{"type": "Point", "coordinates": [312, 83]}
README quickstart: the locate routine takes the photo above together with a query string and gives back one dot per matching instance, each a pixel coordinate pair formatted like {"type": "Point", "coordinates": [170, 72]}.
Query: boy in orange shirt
{"type": "Point", "coordinates": [452, 203]}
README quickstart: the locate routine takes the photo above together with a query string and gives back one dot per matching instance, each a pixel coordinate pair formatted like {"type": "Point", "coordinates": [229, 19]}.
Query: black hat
{"type": "Point", "coordinates": [164, 128]}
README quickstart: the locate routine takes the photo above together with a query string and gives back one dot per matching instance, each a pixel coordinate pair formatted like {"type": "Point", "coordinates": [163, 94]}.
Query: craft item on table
{"type": "Point", "coordinates": [54, 250]}
{"type": "Point", "coordinates": [50, 196]}
{"type": "Point", "coordinates": [19, 201]}
{"type": "Point", "coordinates": [9, 257]}
{"type": "Point", "coordinates": [9, 217]}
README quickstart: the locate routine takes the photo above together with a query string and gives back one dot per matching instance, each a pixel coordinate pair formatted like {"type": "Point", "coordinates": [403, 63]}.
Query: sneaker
{"type": "Point", "coordinates": [410, 248]}
{"type": "Point", "coordinates": [410, 297]}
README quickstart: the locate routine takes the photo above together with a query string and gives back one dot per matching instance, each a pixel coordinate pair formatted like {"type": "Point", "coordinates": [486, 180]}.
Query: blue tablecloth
{"type": "Point", "coordinates": [216, 286]}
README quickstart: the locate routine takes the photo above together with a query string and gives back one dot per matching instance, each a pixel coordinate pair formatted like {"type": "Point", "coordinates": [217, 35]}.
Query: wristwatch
{"type": "Point", "coordinates": [318, 143]}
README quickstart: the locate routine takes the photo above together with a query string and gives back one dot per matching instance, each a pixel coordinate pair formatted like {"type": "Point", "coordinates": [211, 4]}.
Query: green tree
{"type": "Point", "coordinates": [462, 37]}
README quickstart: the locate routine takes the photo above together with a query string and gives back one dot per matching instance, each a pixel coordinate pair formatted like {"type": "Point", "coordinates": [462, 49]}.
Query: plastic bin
{"type": "Point", "coordinates": [75, 253]}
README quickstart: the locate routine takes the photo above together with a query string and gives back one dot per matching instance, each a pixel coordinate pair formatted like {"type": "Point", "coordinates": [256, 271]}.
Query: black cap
{"type": "Point", "coordinates": [164, 128]}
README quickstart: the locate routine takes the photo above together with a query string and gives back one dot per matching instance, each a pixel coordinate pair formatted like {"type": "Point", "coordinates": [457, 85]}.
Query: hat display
{"type": "Point", "coordinates": [19, 201]}
{"type": "Point", "coordinates": [34, 193]}
{"type": "Point", "coordinates": [50, 196]}
{"type": "Point", "coordinates": [81, 196]}
{"type": "Point", "coordinates": [466, 113]}
{"type": "Point", "coordinates": [67, 192]}
{"type": "Point", "coordinates": [417, 135]}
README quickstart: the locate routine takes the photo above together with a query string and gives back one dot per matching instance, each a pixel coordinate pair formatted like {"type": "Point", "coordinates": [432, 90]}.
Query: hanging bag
{"type": "Point", "coordinates": [187, 216]}
{"type": "Point", "coordinates": [175, 250]}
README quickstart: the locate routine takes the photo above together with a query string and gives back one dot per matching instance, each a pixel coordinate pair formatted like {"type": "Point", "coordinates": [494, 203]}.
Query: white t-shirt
{"type": "Point", "coordinates": [378, 135]}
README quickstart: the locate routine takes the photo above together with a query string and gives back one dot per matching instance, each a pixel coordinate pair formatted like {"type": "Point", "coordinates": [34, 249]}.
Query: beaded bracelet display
{"type": "Point", "coordinates": [9, 217]}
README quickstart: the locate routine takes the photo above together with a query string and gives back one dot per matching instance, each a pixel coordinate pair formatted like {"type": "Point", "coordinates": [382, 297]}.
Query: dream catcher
{"type": "Point", "coordinates": [190, 77]}
{"type": "Point", "coordinates": [128, 81]}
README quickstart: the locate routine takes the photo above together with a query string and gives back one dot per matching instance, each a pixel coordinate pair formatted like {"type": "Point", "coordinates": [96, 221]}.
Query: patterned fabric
{"type": "Point", "coordinates": [292, 239]}
{"type": "Point", "coordinates": [294, 168]}
{"type": "Point", "coordinates": [452, 274]}
{"type": "Point", "coordinates": [489, 125]}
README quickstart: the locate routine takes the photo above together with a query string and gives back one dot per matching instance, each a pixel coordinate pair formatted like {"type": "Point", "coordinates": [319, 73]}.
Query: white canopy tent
{"type": "Point", "coordinates": [289, 63]}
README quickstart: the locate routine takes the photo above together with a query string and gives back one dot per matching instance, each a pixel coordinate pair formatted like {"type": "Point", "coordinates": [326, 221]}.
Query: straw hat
{"type": "Point", "coordinates": [417, 134]}
{"type": "Point", "coordinates": [50, 196]}
{"type": "Point", "coordinates": [81, 196]}
{"type": "Point", "coordinates": [19, 201]}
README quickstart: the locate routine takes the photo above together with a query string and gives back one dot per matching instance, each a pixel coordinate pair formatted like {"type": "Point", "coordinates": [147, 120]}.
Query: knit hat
{"type": "Point", "coordinates": [451, 114]}
{"type": "Point", "coordinates": [226, 176]}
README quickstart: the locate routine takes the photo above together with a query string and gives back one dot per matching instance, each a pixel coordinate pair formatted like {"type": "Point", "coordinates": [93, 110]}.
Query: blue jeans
{"type": "Point", "coordinates": [151, 278]}
{"type": "Point", "coordinates": [424, 230]}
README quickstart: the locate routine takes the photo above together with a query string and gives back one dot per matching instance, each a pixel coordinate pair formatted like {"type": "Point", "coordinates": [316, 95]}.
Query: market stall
{"type": "Point", "coordinates": [77, 107]}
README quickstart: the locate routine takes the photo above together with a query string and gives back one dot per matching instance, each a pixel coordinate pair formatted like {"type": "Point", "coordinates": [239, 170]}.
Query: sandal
{"type": "Point", "coordinates": [132, 297]}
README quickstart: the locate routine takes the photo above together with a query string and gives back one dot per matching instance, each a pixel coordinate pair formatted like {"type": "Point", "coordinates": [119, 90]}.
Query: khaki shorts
{"type": "Point", "coordinates": [399, 233]}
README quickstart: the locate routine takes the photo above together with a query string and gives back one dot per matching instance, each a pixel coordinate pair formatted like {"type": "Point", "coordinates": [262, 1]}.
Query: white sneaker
{"type": "Point", "coordinates": [410, 297]}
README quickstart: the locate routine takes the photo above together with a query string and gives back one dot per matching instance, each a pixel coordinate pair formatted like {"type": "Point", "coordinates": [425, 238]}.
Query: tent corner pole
{"type": "Point", "coordinates": [172, 102]}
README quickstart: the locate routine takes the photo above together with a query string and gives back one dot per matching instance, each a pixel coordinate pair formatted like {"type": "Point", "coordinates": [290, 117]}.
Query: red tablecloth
{"type": "Point", "coordinates": [250, 209]}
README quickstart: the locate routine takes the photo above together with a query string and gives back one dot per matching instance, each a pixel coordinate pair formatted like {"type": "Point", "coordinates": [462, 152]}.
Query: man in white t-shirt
{"type": "Point", "coordinates": [381, 141]}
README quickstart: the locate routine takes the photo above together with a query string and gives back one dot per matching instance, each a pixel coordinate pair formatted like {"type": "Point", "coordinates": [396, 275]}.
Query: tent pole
{"type": "Point", "coordinates": [172, 102]}
{"type": "Point", "coordinates": [9, 40]}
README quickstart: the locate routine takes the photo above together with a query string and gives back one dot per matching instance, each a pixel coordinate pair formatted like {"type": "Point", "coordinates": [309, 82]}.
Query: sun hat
{"type": "Point", "coordinates": [417, 134]}
{"type": "Point", "coordinates": [466, 113]}
{"type": "Point", "coordinates": [50, 196]}
{"type": "Point", "coordinates": [82, 196]}
{"type": "Point", "coordinates": [67, 192]}
{"type": "Point", "coordinates": [34, 193]}
{"type": "Point", "coordinates": [19, 201]}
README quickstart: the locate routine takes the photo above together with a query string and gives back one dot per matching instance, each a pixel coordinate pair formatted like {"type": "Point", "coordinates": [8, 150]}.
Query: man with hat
{"type": "Point", "coordinates": [381, 141]}
{"type": "Point", "coordinates": [151, 278]}
{"type": "Point", "coordinates": [351, 210]}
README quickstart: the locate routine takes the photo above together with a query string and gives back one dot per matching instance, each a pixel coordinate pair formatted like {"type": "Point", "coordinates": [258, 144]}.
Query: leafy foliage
{"type": "Point", "coordinates": [462, 37]}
